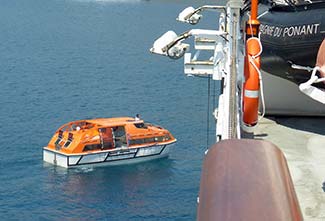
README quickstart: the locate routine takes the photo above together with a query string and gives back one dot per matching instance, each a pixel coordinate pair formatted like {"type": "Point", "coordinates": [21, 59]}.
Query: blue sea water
{"type": "Point", "coordinates": [64, 60]}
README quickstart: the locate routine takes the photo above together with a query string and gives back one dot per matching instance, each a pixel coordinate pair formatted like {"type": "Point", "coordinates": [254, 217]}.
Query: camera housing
{"type": "Point", "coordinates": [189, 15]}
{"type": "Point", "coordinates": [169, 44]}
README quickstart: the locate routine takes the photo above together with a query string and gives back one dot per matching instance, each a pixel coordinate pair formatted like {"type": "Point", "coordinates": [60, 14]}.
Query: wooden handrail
{"type": "Point", "coordinates": [246, 180]}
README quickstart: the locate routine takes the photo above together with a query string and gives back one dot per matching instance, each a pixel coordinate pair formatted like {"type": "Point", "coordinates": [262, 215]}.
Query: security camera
{"type": "Point", "coordinates": [169, 44]}
{"type": "Point", "coordinates": [189, 15]}
{"type": "Point", "coordinates": [159, 46]}
{"type": "Point", "coordinates": [177, 51]}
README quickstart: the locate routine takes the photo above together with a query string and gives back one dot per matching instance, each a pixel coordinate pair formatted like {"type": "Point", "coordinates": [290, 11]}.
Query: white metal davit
{"type": "Point", "coordinates": [225, 63]}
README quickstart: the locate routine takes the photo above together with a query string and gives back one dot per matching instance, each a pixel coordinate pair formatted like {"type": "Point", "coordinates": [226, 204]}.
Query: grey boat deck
{"type": "Point", "coordinates": [302, 141]}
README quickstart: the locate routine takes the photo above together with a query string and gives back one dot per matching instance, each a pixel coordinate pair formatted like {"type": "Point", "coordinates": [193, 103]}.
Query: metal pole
{"type": "Point", "coordinates": [233, 108]}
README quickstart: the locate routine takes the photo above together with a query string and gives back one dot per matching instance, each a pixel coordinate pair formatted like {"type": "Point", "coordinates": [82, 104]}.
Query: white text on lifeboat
{"type": "Point", "coordinates": [290, 31]}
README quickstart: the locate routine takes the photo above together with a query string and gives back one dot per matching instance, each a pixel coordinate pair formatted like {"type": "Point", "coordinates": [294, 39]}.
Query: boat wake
{"type": "Point", "coordinates": [84, 169]}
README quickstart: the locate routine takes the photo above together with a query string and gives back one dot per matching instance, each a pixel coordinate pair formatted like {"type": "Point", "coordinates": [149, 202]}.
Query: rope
{"type": "Point", "coordinates": [250, 26]}
{"type": "Point", "coordinates": [214, 96]}
{"type": "Point", "coordinates": [313, 76]}
{"type": "Point", "coordinates": [208, 111]}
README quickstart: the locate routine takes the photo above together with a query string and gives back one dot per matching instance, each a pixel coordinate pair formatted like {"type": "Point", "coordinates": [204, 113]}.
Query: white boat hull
{"type": "Point", "coordinates": [105, 158]}
{"type": "Point", "coordinates": [283, 97]}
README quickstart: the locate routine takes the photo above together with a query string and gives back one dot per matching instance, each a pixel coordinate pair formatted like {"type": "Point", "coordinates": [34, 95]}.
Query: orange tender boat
{"type": "Point", "coordinates": [107, 141]}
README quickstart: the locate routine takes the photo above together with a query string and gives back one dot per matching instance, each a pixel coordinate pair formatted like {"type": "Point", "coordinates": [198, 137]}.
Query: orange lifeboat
{"type": "Point", "coordinates": [107, 141]}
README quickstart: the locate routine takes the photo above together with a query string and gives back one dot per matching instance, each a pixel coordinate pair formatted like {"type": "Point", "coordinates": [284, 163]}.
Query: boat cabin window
{"type": "Point", "coordinates": [166, 137]}
{"type": "Point", "coordinates": [92, 147]}
{"type": "Point", "coordinates": [159, 139]}
{"type": "Point", "coordinates": [119, 135]}
{"type": "Point", "coordinates": [119, 131]}
{"type": "Point", "coordinates": [136, 141]}
{"type": "Point", "coordinates": [106, 138]}
{"type": "Point", "coordinates": [149, 140]}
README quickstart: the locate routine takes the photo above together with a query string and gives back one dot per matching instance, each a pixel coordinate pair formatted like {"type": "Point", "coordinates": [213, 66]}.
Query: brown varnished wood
{"type": "Point", "coordinates": [246, 180]}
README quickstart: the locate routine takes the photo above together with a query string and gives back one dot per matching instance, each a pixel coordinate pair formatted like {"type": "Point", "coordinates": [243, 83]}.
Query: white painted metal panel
{"type": "Point", "coordinates": [48, 156]}
{"type": "Point", "coordinates": [121, 157]}
{"type": "Point", "coordinates": [61, 160]}
{"type": "Point", "coordinates": [149, 151]}
{"type": "Point", "coordinates": [73, 159]}
{"type": "Point", "coordinates": [93, 158]}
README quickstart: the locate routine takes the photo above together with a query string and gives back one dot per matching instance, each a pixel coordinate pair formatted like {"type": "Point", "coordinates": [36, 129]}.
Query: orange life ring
{"type": "Point", "coordinates": [252, 84]}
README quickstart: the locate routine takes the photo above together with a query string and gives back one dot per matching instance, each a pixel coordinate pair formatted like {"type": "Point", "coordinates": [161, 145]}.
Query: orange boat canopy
{"type": "Point", "coordinates": [107, 133]}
